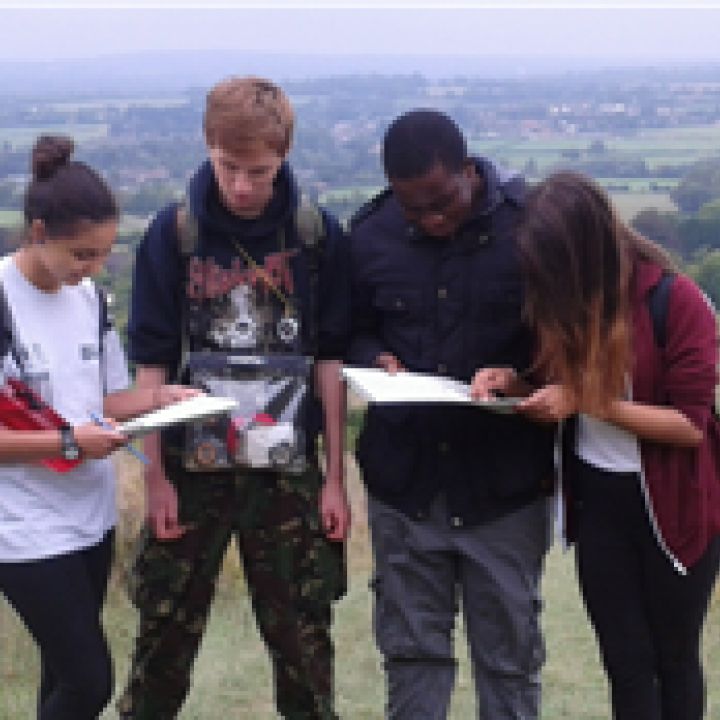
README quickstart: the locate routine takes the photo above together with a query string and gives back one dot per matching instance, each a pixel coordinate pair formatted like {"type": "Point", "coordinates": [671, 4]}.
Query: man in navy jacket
{"type": "Point", "coordinates": [229, 280]}
{"type": "Point", "coordinates": [457, 495]}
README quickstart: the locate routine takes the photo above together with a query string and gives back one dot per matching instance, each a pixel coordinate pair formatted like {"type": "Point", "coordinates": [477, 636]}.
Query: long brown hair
{"type": "Point", "coordinates": [577, 259]}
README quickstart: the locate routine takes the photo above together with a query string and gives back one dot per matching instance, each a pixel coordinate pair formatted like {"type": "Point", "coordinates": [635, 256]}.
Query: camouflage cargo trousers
{"type": "Point", "coordinates": [293, 576]}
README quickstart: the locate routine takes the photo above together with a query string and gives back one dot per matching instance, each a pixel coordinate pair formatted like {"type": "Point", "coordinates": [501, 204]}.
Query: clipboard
{"type": "Point", "coordinates": [194, 408]}
{"type": "Point", "coordinates": [378, 386]}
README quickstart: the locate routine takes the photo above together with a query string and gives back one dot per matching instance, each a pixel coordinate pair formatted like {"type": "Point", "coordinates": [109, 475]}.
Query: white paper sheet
{"type": "Point", "coordinates": [195, 408]}
{"type": "Point", "coordinates": [376, 385]}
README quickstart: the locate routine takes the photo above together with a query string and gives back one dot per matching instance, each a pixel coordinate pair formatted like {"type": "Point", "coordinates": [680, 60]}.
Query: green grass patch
{"type": "Point", "coordinates": [233, 678]}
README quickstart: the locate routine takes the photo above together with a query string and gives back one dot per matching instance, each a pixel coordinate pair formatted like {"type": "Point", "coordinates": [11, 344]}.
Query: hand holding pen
{"type": "Point", "coordinates": [121, 440]}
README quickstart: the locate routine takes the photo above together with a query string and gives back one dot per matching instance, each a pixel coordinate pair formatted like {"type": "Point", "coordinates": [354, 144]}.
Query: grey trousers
{"type": "Point", "coordinates": [423, 568]}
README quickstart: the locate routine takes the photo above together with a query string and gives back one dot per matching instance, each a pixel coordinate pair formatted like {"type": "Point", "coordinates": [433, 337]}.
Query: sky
{"type": "Point", "coordinates": [631, 30]}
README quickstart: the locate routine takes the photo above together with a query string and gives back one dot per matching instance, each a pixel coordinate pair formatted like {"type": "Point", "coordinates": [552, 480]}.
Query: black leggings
{"type": "Point", "coordinates": [60, 601]}
{"type": "Point", "coordinates": [648, 618]}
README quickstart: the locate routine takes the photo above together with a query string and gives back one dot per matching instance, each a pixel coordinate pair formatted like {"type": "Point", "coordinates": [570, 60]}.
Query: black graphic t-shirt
{"type": "Point", "coordinates": [245, 294]}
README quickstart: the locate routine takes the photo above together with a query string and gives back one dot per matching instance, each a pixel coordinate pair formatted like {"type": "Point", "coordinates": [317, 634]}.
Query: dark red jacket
{"type": "Point", "coordinates": [683, 483]}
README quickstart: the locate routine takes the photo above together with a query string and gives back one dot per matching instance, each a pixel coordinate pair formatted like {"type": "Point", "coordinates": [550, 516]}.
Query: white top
{"type": "Point", "coordinates": [607, 446]}
{"type": "Point", "coordinates": [44, 513]}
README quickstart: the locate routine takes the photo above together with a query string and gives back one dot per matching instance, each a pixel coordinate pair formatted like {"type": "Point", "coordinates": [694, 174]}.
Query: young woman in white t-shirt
{"type": "Point", "coordinates": [56, 529]}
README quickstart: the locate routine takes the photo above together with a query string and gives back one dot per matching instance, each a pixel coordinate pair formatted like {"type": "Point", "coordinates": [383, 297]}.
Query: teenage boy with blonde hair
{"type": "Point", "coordinates": [241, 290]}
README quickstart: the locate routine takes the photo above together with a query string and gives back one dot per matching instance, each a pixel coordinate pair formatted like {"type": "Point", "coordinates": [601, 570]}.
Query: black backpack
{"type": "Point", "coordinates": [658, 300]}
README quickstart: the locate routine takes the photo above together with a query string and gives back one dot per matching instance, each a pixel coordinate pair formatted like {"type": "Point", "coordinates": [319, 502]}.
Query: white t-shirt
{"type": "Point", "coordinates": [607, 446]}
{"type": "Point", "coordinates": [44, 513]}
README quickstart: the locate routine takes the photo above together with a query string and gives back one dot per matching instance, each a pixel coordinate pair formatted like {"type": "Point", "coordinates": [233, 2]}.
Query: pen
{"type": "Point", "coordinates": [139, 455]}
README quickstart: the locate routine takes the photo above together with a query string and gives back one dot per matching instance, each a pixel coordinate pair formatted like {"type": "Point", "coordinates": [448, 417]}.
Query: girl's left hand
{"type": "Point", "coordinates": [551, 403]}
{"type": "Point", "coordinates": [487, 382]}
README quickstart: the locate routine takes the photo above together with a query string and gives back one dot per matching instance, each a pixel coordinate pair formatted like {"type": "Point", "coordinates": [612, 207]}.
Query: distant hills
{"type": "Point", "coordinates": [170, 71]}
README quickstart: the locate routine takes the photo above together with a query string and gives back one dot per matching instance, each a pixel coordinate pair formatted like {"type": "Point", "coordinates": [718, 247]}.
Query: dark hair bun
{"type": "Point", "coordinates": [50, 153]}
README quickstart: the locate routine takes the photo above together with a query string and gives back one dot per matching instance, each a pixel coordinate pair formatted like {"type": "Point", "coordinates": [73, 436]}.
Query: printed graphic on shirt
{"type": "Point", "coordinates": [247, 307]}
{"type": "Point", "coordinates": [249, 334]}
{"type": "Point", "coordinates": [89, 351]}
{"type": "Point", "coordinates": [35, 370]}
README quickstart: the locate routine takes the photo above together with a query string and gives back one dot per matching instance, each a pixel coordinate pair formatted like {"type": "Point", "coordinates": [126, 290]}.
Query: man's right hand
{"type": "Point", "coordinates": [162, 505]}
{"type": "Point", "coordinates": [161, 500]}
{"type": "Point", "coordinates": [389, 363]}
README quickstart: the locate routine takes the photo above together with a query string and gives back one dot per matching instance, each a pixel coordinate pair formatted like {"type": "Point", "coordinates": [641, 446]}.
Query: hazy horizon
{"type": "Point", "coordinates": [590, 35]}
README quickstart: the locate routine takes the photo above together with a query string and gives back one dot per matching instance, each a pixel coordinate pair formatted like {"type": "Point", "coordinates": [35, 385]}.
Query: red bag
{"type": "Point", "coordinates": [23, 409]}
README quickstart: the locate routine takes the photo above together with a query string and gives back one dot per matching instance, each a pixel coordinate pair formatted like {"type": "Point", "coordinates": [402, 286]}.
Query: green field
{"type": "Point", "coordinates": [119, 104]}
{"type": "Point", "coordinates": [232, 677]}
{"type": "Point", "coordinates": [629, 204]}
{"type": "Point", "coordinates": [671, 146]}
{"type": "Point", "coordinates": [640, 185]}
{"type": "Point", "coordinates": [11, 218]}
{"type": "Point", "coordinates": [359, 193]}
{"type": "Point", "coordinates": [25, 136]}
{"type": "Point", "coordinates": [129, 224]}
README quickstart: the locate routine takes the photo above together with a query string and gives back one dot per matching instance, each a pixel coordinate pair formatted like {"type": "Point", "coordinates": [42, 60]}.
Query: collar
{"type": "Point", "coordinates": [492, 179]}
{"type": "Point", "coordinates": [492, 196]}
{"type": "Point", "coordinates": [204, 198]}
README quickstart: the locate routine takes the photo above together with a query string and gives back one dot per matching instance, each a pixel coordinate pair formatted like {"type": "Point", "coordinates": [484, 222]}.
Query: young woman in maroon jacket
{"type": "Point", "coordinates": [641, 441]}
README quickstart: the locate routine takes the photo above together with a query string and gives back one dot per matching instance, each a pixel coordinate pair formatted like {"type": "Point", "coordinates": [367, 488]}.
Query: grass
{"type": "Point", "coordinates": [232, 675]}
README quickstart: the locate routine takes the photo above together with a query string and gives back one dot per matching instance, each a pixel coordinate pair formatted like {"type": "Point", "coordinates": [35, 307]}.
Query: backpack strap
{"type": "Point", "coordinates": [309, 224]}
{"type": "Point", "coordinates": [187, 232]}
{"type": "Point", "coordinates": [105, 324]}
{"type": "Point", "coordinates": [514, 189]}
{"type": "Point", "coordinates": [310, 228]}
{"type": "Point", "coordinates": [8, 340]}
{"type": "Point", "coordinates": [187, 228]}
{"type": "Point", "coordinates": [369, 207]}
{"type": "Point", "coordinates": [658, 299]}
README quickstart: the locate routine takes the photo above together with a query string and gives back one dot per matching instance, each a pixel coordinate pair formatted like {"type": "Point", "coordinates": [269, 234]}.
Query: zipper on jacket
{"type": "Point", "coordinates": [656, 528]}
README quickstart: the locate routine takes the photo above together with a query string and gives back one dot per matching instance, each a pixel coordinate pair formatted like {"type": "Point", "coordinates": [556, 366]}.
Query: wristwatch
{"type": "Point", "coordinates": [69, 449]}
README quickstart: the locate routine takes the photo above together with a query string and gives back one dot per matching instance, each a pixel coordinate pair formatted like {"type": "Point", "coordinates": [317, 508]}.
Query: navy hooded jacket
{"type": "Point", "coordinates": [159, 282]}
{"type": "Point", "coordinates": [446, 306]}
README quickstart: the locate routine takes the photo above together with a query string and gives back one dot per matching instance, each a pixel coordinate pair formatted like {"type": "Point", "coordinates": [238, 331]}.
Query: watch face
{"type": "Point", "coordinates": [72, 452]}
{"type": "Point", "coordinates": [70, 448]}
